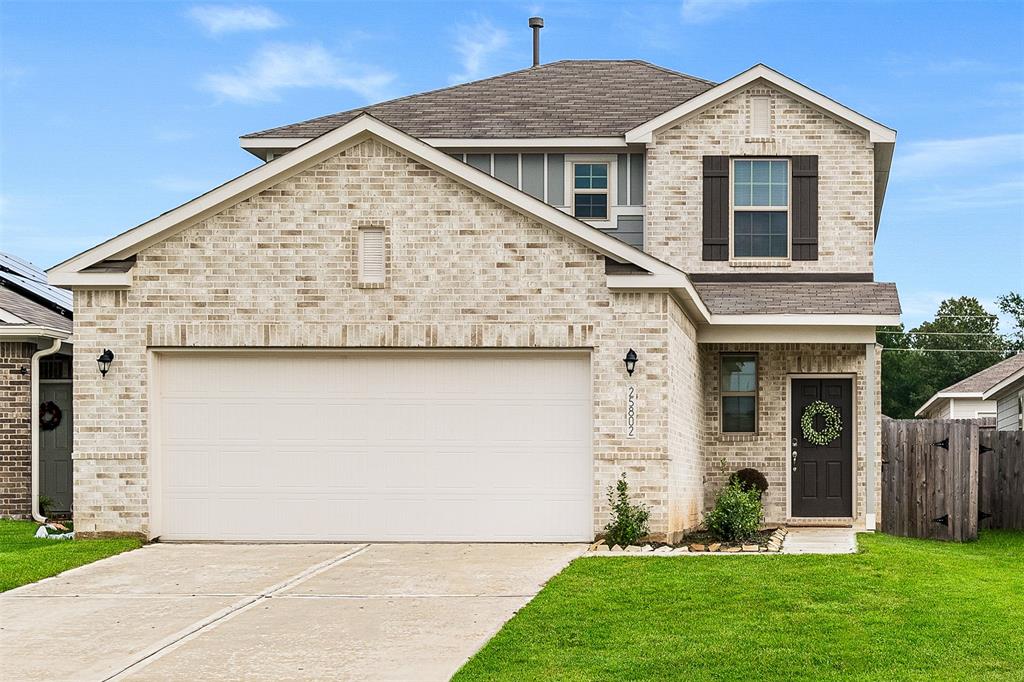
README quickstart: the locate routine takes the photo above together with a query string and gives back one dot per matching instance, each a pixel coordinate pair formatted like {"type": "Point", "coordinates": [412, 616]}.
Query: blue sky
{"type": "Point", "coordinates": [113, 113]}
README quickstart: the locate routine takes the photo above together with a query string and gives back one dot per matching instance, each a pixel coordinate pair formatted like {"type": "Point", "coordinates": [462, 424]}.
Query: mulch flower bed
{"type": "Point", "coordinates": [765, 540]}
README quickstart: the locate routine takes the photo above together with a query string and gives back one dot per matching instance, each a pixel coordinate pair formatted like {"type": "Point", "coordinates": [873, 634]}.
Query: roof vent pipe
{"type": "Point", "coordinates": [536, 23]}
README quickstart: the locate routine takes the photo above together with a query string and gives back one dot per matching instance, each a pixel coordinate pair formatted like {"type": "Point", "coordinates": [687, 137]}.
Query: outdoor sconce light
{"type": "Point", "coordinates": [630, 361]}
{"type": "Point", "coordinates": [104, 360]}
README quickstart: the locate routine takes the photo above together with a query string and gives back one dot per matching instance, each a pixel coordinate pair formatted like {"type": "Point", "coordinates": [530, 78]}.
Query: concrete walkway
{"type": "Point", "coordinates": [271, 612]}
{"type": "Point", "coordinates": [820, 541]}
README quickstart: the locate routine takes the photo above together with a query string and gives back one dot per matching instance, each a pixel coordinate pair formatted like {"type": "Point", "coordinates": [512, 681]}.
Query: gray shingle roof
{"type": "Point", "coordinates": [30, 311]}
{"type": "Point", "coordinates": [987, 378]}
{"type": "Point", "coordinates": [799, 298]}
{"type": "Point", "coordinates": [571, 98]}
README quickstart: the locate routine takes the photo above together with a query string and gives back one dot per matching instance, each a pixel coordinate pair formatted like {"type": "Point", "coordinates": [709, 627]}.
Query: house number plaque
{"type": "Point", "coordinates": [631, 412]}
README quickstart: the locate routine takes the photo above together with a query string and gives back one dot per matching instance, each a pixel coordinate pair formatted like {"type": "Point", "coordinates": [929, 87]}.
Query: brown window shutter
{"type": "Point", "coordinates": [805, 208]}
{"type": "Point", "coordinates": [716, 208]}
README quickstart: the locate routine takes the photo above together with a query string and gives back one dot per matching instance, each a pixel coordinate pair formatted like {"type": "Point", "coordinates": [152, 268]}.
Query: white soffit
{"type": "Point", "coordinates": [362, 127]}
{"type": "Point", "coordinates": [645, 133]}
{"type": "Point", "coordinates": [1004, 384]}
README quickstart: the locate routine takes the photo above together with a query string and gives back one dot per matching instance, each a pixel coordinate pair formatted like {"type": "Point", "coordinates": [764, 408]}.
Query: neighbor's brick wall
{"type": "Point", "coordinates": [279, 270]}
{"type": "Point", "coordinates": [674, 206]}
{"type": "Point", "coordinates": [768, 449]}
{"type": "Point", "coordinates": [15, 430]}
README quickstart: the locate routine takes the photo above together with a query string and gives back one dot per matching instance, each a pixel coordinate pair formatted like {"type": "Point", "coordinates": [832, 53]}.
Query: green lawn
{"type": "Point", "coordinates": [900, 609]}
{"type": "Point", "coordinates": [24, 559]}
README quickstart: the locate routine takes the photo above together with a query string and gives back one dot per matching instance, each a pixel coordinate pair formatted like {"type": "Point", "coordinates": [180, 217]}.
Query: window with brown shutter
{"type": "Point", "coordinates": [805, 208]}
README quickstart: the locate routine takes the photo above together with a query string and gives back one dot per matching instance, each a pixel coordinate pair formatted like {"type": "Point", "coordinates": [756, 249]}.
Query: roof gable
{"type": "Point", "coordinates": [75, 271]}
{"type": "Point", "coordinates": [645, 132]}
{"type": "Point", "coordinates": [984, 385]}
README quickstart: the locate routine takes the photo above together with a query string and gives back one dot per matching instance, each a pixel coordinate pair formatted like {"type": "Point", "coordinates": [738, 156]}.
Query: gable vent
{"type": "Point", "coordinates": [372, 266]}
{"type": "Point", "coordinates": [760, 117]}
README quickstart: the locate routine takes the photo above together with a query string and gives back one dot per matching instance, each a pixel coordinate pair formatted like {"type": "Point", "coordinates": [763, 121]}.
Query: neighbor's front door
{"type": "Point", "coordinates": [822, 483]}
{"type": "Point", "coordinates": [55, 448]}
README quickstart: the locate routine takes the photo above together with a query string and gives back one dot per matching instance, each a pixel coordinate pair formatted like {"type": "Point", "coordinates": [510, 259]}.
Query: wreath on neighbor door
{"type": "Point", "coordinates": [49, 416]}
{"type": "Point", "coordinates": [833, 423]}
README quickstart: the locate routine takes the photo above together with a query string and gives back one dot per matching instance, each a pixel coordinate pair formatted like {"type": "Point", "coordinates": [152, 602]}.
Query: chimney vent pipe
{"type": "Point", "coordinates": [536, 23]}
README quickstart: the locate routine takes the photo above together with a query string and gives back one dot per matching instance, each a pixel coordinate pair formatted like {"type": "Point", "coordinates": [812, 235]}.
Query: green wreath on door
{"type": "Point", "coordinates": [833, 423]}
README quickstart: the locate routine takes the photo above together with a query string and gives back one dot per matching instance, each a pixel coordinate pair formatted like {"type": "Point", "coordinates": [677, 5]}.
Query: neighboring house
{"type": "Point", "coordinates": [967, 399]}
{"type": "Point", "coordinates": [1008, 395]}
{"type": "Point", "coordinates": [35, 370]}
{"type": "Point", "coordinates": [417, 320]}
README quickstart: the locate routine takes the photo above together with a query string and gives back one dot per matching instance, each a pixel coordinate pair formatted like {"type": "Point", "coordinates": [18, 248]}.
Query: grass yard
{"type": "Point", "coordinates": [900, 609]}
{"type": "Point", "coordinates": [24, 559]}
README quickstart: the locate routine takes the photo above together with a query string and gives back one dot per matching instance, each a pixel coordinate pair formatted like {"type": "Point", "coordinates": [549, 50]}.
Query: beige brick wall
{"type": "Point", "coordinates": [767, 450]}
{"type": "Point", "coordinates": [674, 205]}
{"type": "Point", "coordinates": [15, 430]}
{"type": "Point", "coordinates": [279, 270]}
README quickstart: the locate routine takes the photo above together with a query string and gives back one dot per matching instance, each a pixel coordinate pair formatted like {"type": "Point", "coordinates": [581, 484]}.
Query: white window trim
{"type": "Point", "coordinates": [611, 160]}
{"type": "Point", "coordinates": [607, 191]}
{"type": "Point", "coordinates": [788, 209]}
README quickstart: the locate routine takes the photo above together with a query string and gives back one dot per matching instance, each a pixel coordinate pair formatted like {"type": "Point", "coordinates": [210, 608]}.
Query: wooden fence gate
{"type": "Point", "coordinates": [1001, 487]}
{"type": "Point", "coordinates": [941, 477]}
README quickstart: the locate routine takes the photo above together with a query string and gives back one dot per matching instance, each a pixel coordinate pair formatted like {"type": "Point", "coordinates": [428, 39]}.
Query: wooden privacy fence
{"type": "Point", "coordinates": [1001, 479]}
{"type": "Point", "coordinates": [940, 477]}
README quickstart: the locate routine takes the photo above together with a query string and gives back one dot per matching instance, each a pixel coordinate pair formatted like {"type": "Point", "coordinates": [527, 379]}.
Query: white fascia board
{"type": "Point", "coordinates": [1004, 385]}
{"type": "Point", "coordinates": [524, 142]}
{"type": "Point", "coordinates": [785, 334]}
{"type": "Point", "coordinates": [33, 330]}
{"type": "Point", "coordinates": [272, 142]}
{"type": "Point", "coordinates": [807, 320]}
{"type": "Point", "coordinates": [362, 127]}
{"type": "Point", "coordinates": [645, 132]}
{"type": "Point", "coordinates": [67, 279]}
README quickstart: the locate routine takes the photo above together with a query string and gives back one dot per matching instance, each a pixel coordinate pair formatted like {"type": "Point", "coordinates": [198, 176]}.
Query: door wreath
{"type": "Point", "coordinates": [833, 423]}
{"type": "Point", "coordinates": [49, 416]}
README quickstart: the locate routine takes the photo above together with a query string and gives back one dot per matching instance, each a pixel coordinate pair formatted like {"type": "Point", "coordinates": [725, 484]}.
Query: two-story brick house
{"type": "Point", "coordinates": [460, 315]}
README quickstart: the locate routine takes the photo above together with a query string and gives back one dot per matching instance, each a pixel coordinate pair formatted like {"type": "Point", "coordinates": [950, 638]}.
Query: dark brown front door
{"type": "Point", "coordinates": [822, 483]}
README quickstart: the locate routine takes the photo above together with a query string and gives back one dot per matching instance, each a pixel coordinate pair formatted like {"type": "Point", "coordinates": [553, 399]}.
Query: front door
{"type": "Point", "coordinates": [822, 483]}
{"type": "Point", "coordinates": [55, 447]}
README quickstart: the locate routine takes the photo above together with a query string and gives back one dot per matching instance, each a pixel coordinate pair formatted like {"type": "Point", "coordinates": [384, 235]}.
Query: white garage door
{"type": "Point", "coordinates": [374, 446]}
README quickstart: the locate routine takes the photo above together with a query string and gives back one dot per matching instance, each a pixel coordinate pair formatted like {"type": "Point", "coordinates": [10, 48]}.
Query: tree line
{"type": "Point", "coordinates": [962, 339]}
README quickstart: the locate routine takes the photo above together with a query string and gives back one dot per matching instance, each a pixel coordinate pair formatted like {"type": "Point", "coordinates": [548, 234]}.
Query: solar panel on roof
{"type": "Point", "coordinates": [27, 276]}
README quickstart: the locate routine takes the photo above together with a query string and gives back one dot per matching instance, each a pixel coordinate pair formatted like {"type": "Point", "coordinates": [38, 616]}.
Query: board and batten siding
{"type": "Point", "coordinates": [542, 175]}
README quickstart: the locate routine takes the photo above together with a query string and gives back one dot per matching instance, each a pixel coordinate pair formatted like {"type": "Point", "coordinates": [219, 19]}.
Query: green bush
{"type": "Point", "coordinates": [737, 512]}
{"type": "Point", "coordinates": [629, 521]}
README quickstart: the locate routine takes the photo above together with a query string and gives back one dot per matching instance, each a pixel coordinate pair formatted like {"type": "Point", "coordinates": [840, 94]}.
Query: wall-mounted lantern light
{"type": "Point", "coordinates": [104, 360]}
{"type": "Point", "coordinates": [630, 361]}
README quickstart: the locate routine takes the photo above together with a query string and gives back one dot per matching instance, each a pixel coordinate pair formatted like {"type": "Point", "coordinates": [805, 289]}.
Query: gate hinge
{"type": "Point", "coordinates": [944, 520]}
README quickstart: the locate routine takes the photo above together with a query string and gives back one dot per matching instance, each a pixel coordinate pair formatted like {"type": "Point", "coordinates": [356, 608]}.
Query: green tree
{"type": "Point", "coordinates": [1012, 305]}
{"type": "Point", "coordinates": [937, 354]}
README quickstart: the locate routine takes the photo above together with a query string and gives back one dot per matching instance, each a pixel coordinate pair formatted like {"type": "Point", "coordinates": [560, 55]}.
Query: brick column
{"type": "Point", "coordinates": [15, 430]}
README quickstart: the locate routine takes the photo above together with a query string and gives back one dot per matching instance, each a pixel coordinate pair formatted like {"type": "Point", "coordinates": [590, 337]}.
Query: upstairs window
{"type": "Point", "coordinates": [590, 191]}
{"type": "Point", "coordinates": [760, 208]}
{"type": "Point", "coordinates": [739, 393]}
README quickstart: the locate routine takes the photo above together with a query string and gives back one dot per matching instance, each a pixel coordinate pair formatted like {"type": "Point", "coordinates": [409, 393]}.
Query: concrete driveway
{"type": "Point", "coordinates": [272, 612]}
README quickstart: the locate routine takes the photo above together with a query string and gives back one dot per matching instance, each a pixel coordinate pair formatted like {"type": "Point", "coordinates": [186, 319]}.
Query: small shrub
{"type": "Point", "coordinates": [752, 479]}
{"type": "Point", "coordinates": [45, 505]}
{"type": "Point", "coordinates": [737, 512]}
{"type": "Point", "coordinates": [629, 521]}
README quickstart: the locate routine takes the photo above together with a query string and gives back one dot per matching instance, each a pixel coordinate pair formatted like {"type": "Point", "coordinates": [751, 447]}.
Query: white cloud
{"type": "Point", "coordinates": [475, 45]}
{"type": "Point", "coordinates": [944, 157]}
{"type": "Point", "coordinates": [285, 66]}
{"type": "Point", "coordinates": [703, 11]}
{"type": "Point", "coordinates": [218, 19]}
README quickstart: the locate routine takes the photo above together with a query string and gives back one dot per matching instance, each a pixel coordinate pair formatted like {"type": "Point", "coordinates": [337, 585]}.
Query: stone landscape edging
{"type": "Point", "coordinates": [773, 546]}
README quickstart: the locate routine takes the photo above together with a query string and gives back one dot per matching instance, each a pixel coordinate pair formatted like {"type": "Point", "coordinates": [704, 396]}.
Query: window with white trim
{"type": "Point", "coordinates": [372, 261]}
{"type": "Point", "coordinates": [760, 208]}
{"type": "Point", "coordinates": [739, 393]}
{"type": "Point", "coordinates": [590, 191]}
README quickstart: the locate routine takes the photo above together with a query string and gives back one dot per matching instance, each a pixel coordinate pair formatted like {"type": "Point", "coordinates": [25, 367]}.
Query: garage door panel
{"type": "Point", "coordinates": [375, 446]}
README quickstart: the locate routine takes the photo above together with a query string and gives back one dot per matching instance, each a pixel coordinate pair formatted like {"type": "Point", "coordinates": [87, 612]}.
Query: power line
{"type": "Point", "coordinates": [952, 350]}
